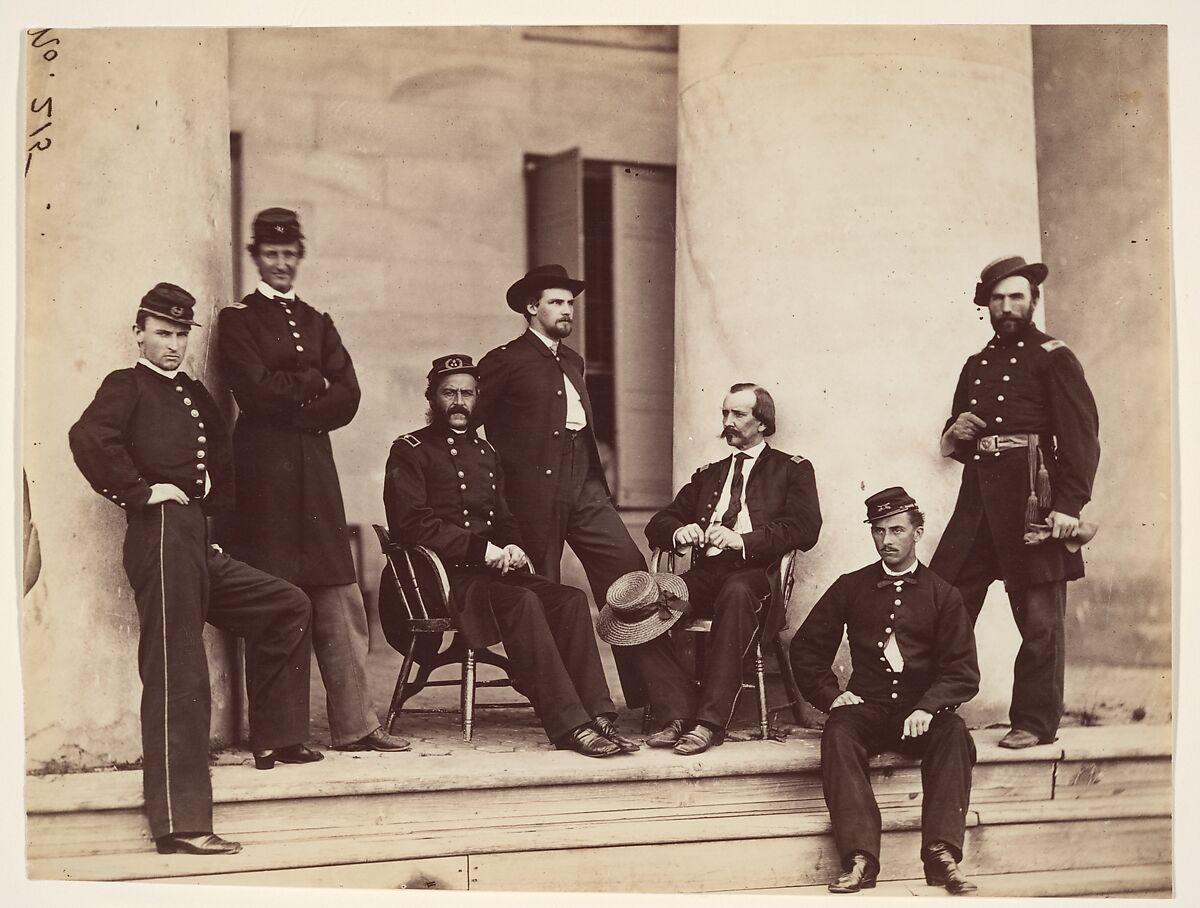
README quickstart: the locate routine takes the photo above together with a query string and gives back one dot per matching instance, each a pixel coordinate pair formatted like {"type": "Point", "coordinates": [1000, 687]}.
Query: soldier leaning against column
{"type": "Point", "coordinates": [154, 443]}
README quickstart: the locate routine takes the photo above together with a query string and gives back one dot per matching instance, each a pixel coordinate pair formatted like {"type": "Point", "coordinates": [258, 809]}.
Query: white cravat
{"type": "Point", "coordinates": [576, 416]}
{"type": "Point", "coordinates": [272, 294]}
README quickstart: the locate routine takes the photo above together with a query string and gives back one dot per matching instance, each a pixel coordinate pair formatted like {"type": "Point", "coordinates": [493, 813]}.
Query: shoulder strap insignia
{"type": "Point", "coordinates": [1052, 345]}
{"type": "Point", "coordinates": [412, 440]}
{"type": "Point", "coordinates": [798, 458]}
{"type": "Point", "coordinates": [238, 305]}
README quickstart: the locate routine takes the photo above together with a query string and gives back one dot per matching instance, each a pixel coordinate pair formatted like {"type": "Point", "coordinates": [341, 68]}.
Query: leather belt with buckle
{"type": "Point", "coordinates": [992, 443]}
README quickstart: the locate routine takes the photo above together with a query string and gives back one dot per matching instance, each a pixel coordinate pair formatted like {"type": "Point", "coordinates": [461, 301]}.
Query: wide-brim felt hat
{"type": "Point", "coordinates": [1008, 266]}
{"type": "Point", "coordinates": [541, 278]}
{"type": "Point", "coordinates": [640, 606]}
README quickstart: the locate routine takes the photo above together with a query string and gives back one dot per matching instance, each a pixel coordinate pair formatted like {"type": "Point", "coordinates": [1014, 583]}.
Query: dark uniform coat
{"type": "Point", "coordinates": [445, 491]}
{"type": "Point", "coordinates": [524, 409]}
{"type": "Point", "coordinates": [781, 501]}
{"type": "Point", "coordinates": [1032, 383]}
{"type": "Point", "coordinates": [933, 632]}
{"type": "Point", "coordinates": [291, 521]}
{"type": "Point", "coordinates": [143, 428]}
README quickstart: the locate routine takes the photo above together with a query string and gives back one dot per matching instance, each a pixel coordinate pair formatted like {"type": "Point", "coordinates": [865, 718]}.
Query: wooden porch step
{"type": "Point", "coordinates": [1090, 801]}
{"type": "Point", "coordinates": [1136, 881]}
{"type": "Point", "coordinates": [523, 841]}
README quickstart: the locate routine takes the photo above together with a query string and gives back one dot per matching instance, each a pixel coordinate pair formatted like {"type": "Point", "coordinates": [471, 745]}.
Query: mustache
{"type": "Point", "coordinates": [457, 408]}
{"type": "Point", "coordinates": [728, 433]}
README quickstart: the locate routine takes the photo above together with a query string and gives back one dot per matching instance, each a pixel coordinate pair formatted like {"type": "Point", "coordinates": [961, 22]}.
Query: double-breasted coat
{"type": "Point", "coordinates": [524, 409]}
{"type": "Point", "coordinates": [781, 501]}
{"type": "Point", "coordinates": [1021, 385]}
{"type": "Point", "coordinates": [277, 355]}
{"type": "Point", "coordinates": [445, 491]}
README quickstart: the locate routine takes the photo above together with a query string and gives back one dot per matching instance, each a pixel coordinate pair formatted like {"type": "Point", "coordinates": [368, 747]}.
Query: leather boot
{"type": "Point", "coordinates": [861, 871]}
{"type": "Point", "coordinates": [941, 869]}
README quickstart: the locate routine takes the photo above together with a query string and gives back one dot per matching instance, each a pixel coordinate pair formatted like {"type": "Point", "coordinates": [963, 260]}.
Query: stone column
{"type": "Point", "coordinates": [839, 190]}
{"type": "Point", "coordinates": [132, 188]}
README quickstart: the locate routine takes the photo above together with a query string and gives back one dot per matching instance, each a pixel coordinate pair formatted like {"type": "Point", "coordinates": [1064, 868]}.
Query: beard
{"type": "Point", "coordinates": [1011, 325]}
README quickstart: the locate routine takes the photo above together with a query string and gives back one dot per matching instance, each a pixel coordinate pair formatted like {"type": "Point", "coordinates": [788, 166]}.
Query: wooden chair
{"type": "Point", "coordinates": [777, 597]}
{"type": "Point", "coordinates": [423, 595]}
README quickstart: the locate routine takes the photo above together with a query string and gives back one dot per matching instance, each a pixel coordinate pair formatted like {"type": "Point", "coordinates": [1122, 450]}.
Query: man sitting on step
{"type": "Point", "coordinates": [913, 662]}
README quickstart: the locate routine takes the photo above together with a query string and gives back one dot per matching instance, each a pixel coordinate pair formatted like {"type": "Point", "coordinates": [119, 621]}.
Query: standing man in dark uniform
{"type": "Point", "coordinates": [913, 663]}
{"type": "Point", "coordinates": [742, 515]}
{"type": "Point", "coordinates": [537, 412]}
{"type": "Point", "coordinates": [445, 490]}
{"type": "Point", "coordinates": [1024, 425]}
{"type": "Point", "coordinates": [294, 384]}
{"type": "Point", "coordinates": [154, 443]}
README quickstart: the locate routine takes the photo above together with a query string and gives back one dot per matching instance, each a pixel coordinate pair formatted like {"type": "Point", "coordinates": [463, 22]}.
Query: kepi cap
{"type": "Point", "coordinates": [276, 225]}
{"type": "Point", "coordinates": [888, 502]}
{"type": "Point", "coordinates": [170, 302]}
{"type": "Point", "coordinates": [452, 363]}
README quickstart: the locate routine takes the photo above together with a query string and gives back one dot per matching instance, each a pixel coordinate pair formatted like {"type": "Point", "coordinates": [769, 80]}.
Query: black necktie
{"type": "Point", "coordinates": [901, 578]}
{"type": "Point", "coordinates": [729, 518]}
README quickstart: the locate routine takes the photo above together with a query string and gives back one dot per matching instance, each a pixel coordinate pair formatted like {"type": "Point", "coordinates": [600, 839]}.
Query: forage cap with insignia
{"type": "Point", "coordinates": [170, 302]}
{"type": "Point", "coordinates": [276, 225]}
{"type": "Point", "coordinates": [890, 501]}
{"type": "Point", "coordinates": [452, 363]}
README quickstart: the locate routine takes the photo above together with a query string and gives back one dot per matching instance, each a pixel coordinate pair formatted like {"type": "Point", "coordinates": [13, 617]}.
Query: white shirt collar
{"type": "Point", "coordinates": [552, 344]}
{"type": "Point", "coordinates": [753, 452]}
{"type": "Point", "coordinates": [887, 570]}
{"type": "Point", "coordinates": [272, 294]}
{"type": "Point", "coordinates": [149, 365]}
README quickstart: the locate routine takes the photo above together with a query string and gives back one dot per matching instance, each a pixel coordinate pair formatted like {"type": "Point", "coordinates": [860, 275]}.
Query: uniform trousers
{"type": "Point", "coordinates": [722, 587]}
{"type": "Point", "coordinates": [341, 641]}
{"type": "Point", "coordinates": [179, 581]}
{"type": "Point", "coordinates": [854, 733]}
{"type": "Point", "coordinates": [583, 516]}
{"type": "Point", "coordinates": [547, 633]}
{"type": "Point", "coordinates": [1039, 611]}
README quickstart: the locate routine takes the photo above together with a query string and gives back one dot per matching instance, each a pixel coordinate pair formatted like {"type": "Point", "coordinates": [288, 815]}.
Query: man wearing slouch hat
{"type": "Point", "coordinates": [537, 412]}
{"type": "Point", "coordinates": [153, 443]}
{"type": "Point", "coordinates": [1024, 425]}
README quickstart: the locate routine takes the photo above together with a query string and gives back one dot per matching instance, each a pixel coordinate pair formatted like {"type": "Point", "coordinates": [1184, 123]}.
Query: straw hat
{"type": "Point", "coordinates": [640, 606]}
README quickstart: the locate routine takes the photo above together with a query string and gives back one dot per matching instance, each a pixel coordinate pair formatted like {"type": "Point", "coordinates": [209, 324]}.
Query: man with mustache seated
{"type": "Point", "coordinates": [741, 515]}
{"type": "Point", "coordinates": [444, 489]}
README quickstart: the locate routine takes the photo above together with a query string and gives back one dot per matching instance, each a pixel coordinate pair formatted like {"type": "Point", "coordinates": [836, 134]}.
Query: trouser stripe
{"type": "Point", "coordinates": [162, 581]}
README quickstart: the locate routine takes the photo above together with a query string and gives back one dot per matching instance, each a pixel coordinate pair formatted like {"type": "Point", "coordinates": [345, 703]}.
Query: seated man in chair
{"type": "Point", "coordinates": [742, 514]}
{"type": "Point", "coordinates": [444, 490]}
